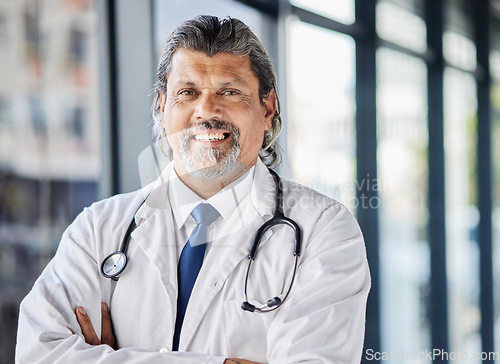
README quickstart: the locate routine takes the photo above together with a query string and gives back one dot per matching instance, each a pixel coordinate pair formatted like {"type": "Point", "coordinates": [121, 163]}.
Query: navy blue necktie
{"type": "Point", "coordinates": [190, 262]}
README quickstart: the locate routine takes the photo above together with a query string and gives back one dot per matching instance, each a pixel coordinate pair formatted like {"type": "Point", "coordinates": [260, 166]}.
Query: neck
{"type": "Point", "coordinates": [207, 187]}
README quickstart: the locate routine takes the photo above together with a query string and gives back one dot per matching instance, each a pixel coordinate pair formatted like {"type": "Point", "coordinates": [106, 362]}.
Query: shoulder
{"type": "Point", "coordinates": [308, 207]}
{"type": "Point", "coordinates": [119, 202]}
{"type": "Point", "coordinates": [306, 199]}
{"type": "Point", "coordinates": [317, 213]}
{"type": "Point", "coordinates": [97, 225]}
{"type": "Point", "coordinates": [126, 204]}
{"type": "Point", "coordinates": [109, 212]}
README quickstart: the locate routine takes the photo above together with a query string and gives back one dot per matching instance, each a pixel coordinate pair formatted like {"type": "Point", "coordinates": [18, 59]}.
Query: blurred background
{"type": "Point", "coordinates": [390, 106]}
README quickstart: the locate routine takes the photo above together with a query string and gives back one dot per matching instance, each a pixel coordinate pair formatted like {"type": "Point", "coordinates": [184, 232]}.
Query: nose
{"type": "Point", "coordinates": [208, 108]}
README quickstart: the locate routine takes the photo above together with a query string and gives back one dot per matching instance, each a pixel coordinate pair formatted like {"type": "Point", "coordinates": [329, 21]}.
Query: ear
{"type": "Point", "coordinates": [269, 104]}
{"type": "Point", "coordinates": [162, 101]}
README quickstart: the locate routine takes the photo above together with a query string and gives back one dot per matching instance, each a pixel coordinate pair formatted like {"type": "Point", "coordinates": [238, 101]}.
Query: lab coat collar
{"type": "Point", "coordinates": [263, 191]}
{"type": "Point", "coordinates": [156, 197]}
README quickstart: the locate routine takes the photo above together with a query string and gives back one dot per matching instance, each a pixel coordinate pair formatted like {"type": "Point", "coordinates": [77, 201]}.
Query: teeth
{"type": "Point", "coordinates": [209, 137]}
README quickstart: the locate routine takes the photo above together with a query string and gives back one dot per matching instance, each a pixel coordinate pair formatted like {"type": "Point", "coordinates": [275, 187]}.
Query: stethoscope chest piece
{"type": "Point", "coordinates": [114, 264]}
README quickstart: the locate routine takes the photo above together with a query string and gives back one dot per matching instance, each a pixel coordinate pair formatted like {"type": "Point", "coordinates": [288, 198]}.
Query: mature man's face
{"type": "Point", "coordinates": [212, 114]}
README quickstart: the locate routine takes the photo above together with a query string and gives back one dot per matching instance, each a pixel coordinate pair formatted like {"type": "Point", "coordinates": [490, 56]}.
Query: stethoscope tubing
{"type": "Point", "coordinates": [114, 264]}
{"type": "Point", "coordinates": [278, 218]}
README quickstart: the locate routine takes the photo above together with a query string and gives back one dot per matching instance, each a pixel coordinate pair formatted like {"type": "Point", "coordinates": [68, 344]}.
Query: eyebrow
{"type": "Point", "coordinates": [233, 81]}
{"type": "Point", "coordinates": [186, 83]}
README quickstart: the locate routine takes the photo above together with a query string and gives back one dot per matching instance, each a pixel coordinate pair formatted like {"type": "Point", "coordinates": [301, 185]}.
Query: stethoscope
{"type": "Point", "coordinates": [114, 264]}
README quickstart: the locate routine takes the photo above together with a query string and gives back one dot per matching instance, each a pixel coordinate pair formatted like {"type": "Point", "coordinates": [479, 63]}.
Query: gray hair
{"type": "Point", "coordinates": [211, 35]}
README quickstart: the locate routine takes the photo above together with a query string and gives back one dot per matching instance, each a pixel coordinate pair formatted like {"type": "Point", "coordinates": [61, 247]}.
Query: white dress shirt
{"type": "Point", "coordinates": [183, 201]}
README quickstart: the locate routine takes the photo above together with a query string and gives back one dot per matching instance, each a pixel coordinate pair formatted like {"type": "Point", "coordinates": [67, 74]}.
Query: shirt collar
{"type": "Point", "coordinates": [183, 200]}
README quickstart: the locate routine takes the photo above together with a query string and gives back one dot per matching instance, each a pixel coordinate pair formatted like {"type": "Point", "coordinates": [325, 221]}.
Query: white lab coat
{"type": "Point", "coordinates": [322, 321]}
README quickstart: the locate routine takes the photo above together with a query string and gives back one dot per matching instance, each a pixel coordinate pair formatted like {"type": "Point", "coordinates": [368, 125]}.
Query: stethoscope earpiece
{"type": "Point", "coordinates": [276, 301]}
{"type": "Point", "coordinates": [247, 306]}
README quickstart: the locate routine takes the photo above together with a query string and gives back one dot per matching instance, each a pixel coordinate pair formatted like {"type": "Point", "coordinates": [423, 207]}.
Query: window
{"type": "Point", "coordinates": [462, 213]}
{"type": "Point", "coordinates": [321, 110]}
{"type": "Point", "coordinates": [339, 10]}
{"type": "Point", "coordinates": [401, 25]}
{"type": "Point", "coordinates": [459, 51]}
{"type": "Point", "coordinates": [402, 173]}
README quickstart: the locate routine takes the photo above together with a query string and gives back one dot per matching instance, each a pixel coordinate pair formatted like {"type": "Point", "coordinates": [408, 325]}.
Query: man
{"type": "Point", "coordinates": [217, 113]}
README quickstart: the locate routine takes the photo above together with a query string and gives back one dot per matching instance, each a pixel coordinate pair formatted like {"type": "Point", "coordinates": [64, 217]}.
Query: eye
{"type": "Point", "coordinates": [230, 92]}
{"type": "Point", "coordinates": [186, 92]}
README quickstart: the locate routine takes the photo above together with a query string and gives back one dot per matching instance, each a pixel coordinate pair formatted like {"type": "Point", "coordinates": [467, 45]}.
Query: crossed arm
{"type": "Point", "coordinates": [47, 317]}
{"type": "Point", "coordinates": [107, 336]}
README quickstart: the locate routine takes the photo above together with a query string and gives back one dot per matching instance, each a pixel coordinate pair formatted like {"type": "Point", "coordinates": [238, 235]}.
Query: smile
{"type": "Point", "coordinates": [211, 137]}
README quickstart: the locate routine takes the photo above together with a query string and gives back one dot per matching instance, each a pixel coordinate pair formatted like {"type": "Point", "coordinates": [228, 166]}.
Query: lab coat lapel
{"type": "Point", "coordinates": [227, 252]}
{"type": "Point", "coordinates": [155, 233]}
{"type": "Point", "coordinates": [155, 236]}
{"type": "Point", "coordinates": [148, 285]}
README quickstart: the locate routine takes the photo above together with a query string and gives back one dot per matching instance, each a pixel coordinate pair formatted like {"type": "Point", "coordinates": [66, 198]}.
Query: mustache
{"type": "Point", "coordinates": [215, 124]}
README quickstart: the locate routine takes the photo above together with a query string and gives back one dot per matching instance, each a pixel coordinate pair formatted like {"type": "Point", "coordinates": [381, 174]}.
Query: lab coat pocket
{"type": "Point", "coordinates": [246, 332]}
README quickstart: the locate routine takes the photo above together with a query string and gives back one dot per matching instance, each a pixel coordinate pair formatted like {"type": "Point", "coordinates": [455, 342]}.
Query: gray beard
{"type": "Point", "coordinates": [215, 163]}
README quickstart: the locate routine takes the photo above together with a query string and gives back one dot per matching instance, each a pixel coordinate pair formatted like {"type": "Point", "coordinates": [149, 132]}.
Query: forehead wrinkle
{"type": "Point", "coordinates": [193, 71]}
{"type": "Point", "coordinates": [185, 83]}
{"type": "Point", "coordinates": [234, 81]}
